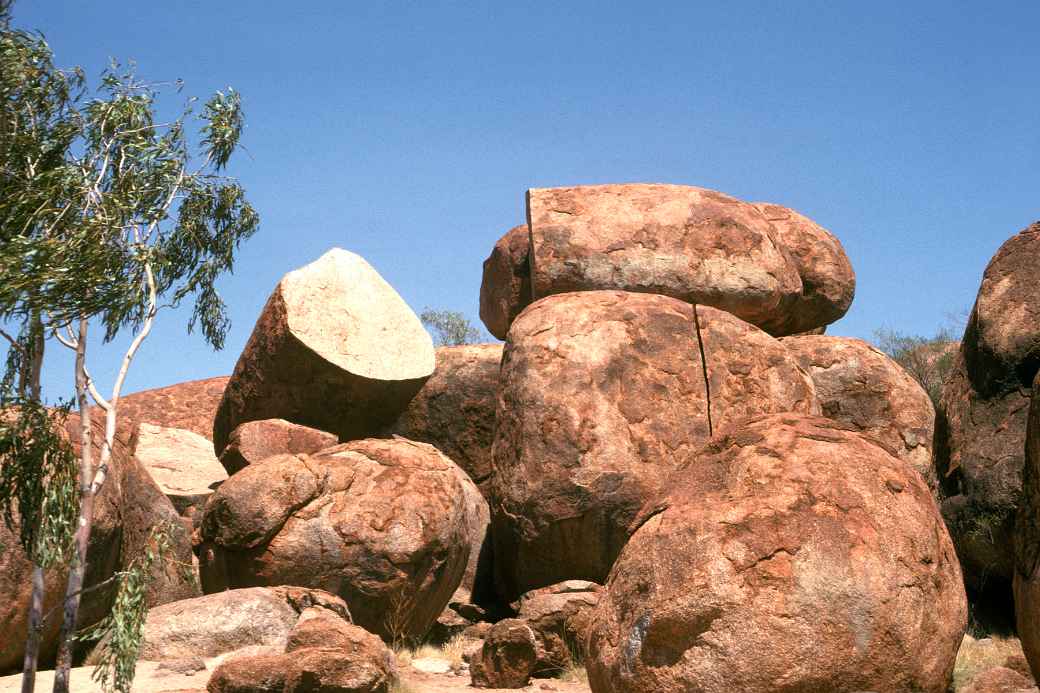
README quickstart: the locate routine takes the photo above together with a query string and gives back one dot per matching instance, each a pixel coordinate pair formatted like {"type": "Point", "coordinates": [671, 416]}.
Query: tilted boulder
{"type": "Point", "coordinates": [603, 394]}
{"type": "Point", "coordinates": [127, 508]}
{"type": "Point", "coordinates": [860, 385]}
{"type": "Point", "coordinates": [505, 288]}
{"type": "Point", "coordinates": [257, 440]}
{"type": "Point", "coordinates": [335, 348]}
{"type": "Point", "coordinates": [828, 282]}
{"type": "Point", "coordinates": [222, 622]}
{"type": "Point", "coordinates": [789, 550]}
{"type": "Point", "coordinates": [1027, 542]}
{"type": "Point", "coordinates": [1002, 339]}
{"type": "Point", "coordinates": [385, 524]}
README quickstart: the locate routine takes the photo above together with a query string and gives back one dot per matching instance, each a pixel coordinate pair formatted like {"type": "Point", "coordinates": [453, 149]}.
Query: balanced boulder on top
{"type": "Point", "coordinates": [335, 348]}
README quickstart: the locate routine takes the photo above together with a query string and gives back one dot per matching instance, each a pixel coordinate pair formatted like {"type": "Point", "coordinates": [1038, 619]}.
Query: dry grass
{"type": "Point", "coordinates": [400, 686]}
{"type": "Point", "coordinates": [450, 651]}
{"type": "Point", "coordinates": [574, 673]}
{"type": "Point", "coordinates": [975, 656]}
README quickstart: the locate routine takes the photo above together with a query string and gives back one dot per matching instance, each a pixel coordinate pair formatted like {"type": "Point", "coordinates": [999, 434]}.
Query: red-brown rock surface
{"type": "Point", "coordinates": [190, 405]}
{"type": "Point", "coordinates": [384, 524]}
{"type": "Point", "coordinates": [335, 348]}
{"type": "Point", "coordinates": [1027, 542]}
{"type": "Point", "coordinates": [689, 243]}
{"type": "Point", "coordinates": [125, 510]}
{"type": "Point", "coordinates": [505, 288]}
{"type": "Point", "coordinates": [790, 554]}
{"type": "Point", "coordinates": [1002, 340]}
{"type": "Point", "coordinates": [559, 616]}
{"type": "Point", "coordinates": [999, 680]}
{"type": "Point", "coordinates": [602, 395]}
{"type": "Point", "coordinates": [508, 658]}
{"type": "Point", "coordinates": [455, 409]}
{"type": "Point", "coordinates": [828, 282]}
{"type": "Point", "coordinates": [257, 440]}
{"type": "Point", "coordinates": [979, 450]}
{"type": "Point", "coordinates": [859, 385]}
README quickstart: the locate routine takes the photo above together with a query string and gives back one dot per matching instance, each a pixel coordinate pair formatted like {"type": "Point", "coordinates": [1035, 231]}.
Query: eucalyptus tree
{"type": "Point", "coordinates": [133, 215]}
{"type": "Point", "coordinates": [450, 328]}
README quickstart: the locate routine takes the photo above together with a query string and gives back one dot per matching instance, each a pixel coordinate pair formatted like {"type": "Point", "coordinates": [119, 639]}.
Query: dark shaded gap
{"type": "Point", "coordinates": [704, 368]}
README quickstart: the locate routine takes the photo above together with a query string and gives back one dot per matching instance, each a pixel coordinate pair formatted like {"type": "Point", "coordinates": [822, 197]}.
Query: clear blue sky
{"type": "Point", "coordinates": [409, 131]}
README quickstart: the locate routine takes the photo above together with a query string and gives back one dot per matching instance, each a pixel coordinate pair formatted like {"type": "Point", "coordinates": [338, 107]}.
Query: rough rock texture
{"type": "Point", "coordinates": [257, 440]}
{"type": "Point", "coordinates": [979, 452]}
{"type": "Point", "coordinates": [559, 615]}
{"type": "Point", "coordinates": [603, 393]}
{"type": "Point", "coordinates": [789, 550]}
{"type": "Point", "coordinates": [260, 674]}
{"type": "Point", "coordinates": [508, 658]}
{"type": "Point", "coordinates": [222, 622]}
{"type": "Point", "coordinates": [828, 282]}
{"type": "Point", "coordinates": [1002, 339]}
{"type": "Point", "coordinates": [181, 462]}
{"type": "Point", "coordinates": [335, 348]}
{"type": "Point", "coordinates": [689, 243]}
{"type": "Point", "coordinates": [999, 680]}
{"type": "Point", "coordinates": [455, 409]}
{"type": "Point", "coordinates": [1027, 542]}
{"type": "Point", "coordinates": [858, 384]}
{"type": "Point", "coordinates": [128, 505]}
{"type": "Point", "coordinates": [190, 405]}
{"type": "Point", "coordinates": [393, 519]}
{"type": "Point", "coordinates": [505, 288]}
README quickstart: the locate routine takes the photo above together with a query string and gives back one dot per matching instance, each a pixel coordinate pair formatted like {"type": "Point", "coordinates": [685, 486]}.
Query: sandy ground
{"type": "Point", "coordinates": [151, 679]}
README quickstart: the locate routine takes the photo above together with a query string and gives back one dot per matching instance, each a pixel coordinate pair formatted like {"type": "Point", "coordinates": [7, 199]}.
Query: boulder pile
{"type": "Point", "coordinates": [661, 473]}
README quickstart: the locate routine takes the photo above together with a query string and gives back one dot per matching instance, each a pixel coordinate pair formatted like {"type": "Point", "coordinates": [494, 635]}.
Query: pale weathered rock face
{"type": "Point", "coordinates": [505, 288]}
{"type": "Point", "coordinates": [257, 440]}
{"type": "Point", "coordinates": [791, 549]}
{"type": "Point", "coordinates": [1027, 542]}
{"type": "Point", "coordinates": [603, 394]}
{"type": "Point", "coordinates": [455, 409]}
{"type": "Point", "coordinates": [322, 653]}
{"type": "Point", "coordinates": [1002, 340]}
{"type": "Point", "coordinates": [218, 623]}
{"type": "Point", "coordinates": [190, 405]}
{"type": "Point", "coordinates": [335, 348]}
{"type": "Point", "coordinates": [859, 385]}
{"type": "Point", "coordinates": [689, 243]}
{"type": "Point", "coordinates": [508, 658]}
{"type": "Point", "coordinates": [181, 462]}
{"type": "Point", "coordinates": [394, 520]}
{"type": "Point", "coordinates": [828, 282]}
{"type": "Point", "coordinates": [125, 511]}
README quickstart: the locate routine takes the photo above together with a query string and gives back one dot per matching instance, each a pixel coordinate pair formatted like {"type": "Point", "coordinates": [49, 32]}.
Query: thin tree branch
{"type": "Point", "coordinates": [14, 343]}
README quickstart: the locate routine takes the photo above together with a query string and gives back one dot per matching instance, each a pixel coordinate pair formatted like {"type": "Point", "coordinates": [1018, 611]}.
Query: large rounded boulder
{"type": "Point", "coordinates": [828, 282]}
{"type": "Point", "coordinates": [790, 554]}
{"type": "Point", "coordinates": [603, 394]}
{"type": "Point", "coordinates": [859, 385]}
{"type": "Point", "coordinates": [1027, 542]}
{"type": "Point", "coordinates": [387, 525]}
{"type": "Point", "coordinates": [335, 348]}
